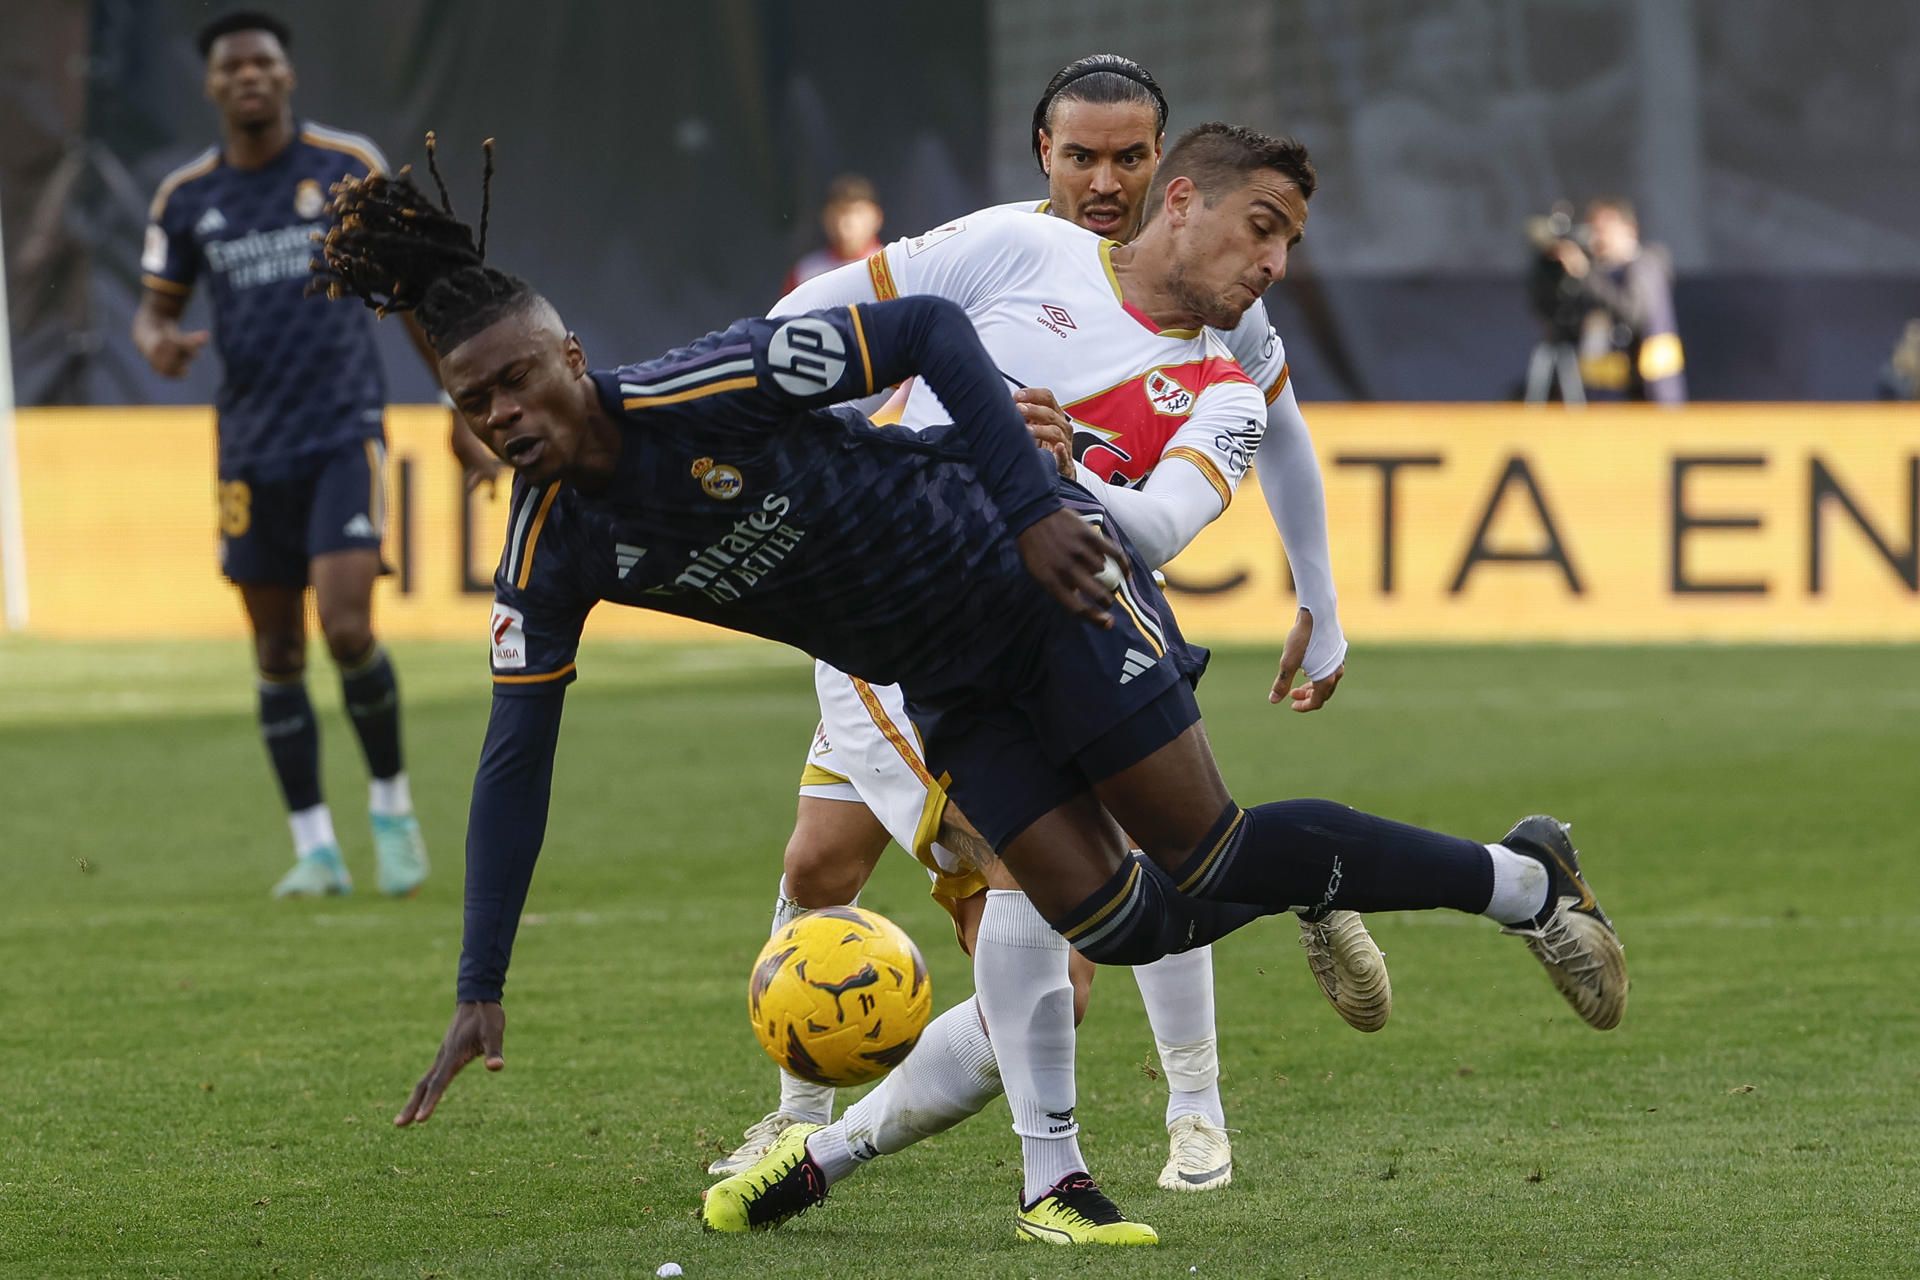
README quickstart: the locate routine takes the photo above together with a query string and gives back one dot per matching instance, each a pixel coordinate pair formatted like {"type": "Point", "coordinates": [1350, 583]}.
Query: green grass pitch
{"type": "Point", "coordinates": [197, 1081]}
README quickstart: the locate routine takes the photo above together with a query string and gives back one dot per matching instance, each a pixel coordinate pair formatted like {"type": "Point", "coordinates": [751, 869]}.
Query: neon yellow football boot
{"type": "Point", "coordinates": [1076, 1211]}
{"type": "Point", "coordinates": [785, 1183]}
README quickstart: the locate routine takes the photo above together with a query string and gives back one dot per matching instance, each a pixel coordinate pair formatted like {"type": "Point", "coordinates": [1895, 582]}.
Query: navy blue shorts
{"type": "Point", "coordinates": [1066, 705]}
{"type": "Point", "coordinates": [273, 523]}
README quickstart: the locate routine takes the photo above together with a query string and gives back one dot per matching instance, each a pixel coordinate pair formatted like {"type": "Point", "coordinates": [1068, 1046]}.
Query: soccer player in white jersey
{"type": "Point", "coordinates": [1143, 396]}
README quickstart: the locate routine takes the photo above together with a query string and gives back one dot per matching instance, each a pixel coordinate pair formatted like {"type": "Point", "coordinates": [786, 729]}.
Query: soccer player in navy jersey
{"type": "Point", "coordinates": [301, 438]}
{"type": "Point", "coordinates": [1041, 665]}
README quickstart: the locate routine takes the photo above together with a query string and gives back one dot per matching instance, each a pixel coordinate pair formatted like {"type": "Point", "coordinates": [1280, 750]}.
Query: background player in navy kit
{"type": "Point", "coordinates": [301, 440]}
{"type": "Point", "coordinates": [714, 484]}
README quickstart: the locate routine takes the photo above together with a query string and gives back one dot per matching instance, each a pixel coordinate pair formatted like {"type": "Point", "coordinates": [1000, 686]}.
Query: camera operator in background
{"type": "Point", "coordinates": [1560, 303]}
{"type": "Point", "coordinates": [1900, 376]}
{"type": "Point", "coordinates": [1629, 346]}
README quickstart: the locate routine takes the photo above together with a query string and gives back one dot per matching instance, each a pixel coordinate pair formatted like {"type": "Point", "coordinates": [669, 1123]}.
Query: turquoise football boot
{"type": "Point", "coordinates": [402, 853]}
{"type": "Point", "coordinates": [318, 873]}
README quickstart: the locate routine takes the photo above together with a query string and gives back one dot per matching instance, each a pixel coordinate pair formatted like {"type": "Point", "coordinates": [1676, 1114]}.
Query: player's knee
{"type": "Point", "coordinates": [1130, 920]}
{"type": "Point", "coordinates": [280, 655]}
{"type": "Point", "coordinates": [349, 632]}
{"type": "Point", "coordinates": [821, 873]}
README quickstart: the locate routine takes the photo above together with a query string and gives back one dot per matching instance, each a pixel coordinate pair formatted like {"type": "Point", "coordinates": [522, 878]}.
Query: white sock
{"type": "Point", "coordinates": [801, 1099]}
{"type": "Point", "coordinates": [1020, 972]}
{"type": "Point", "coordinates": [312, 829]}
{"type": "Point", "coordinates": [949, 1076]}
{"type": "Point", "coordinates": [1178, 993]}
{"type": "Point", "coordinates": [390, 797]}
{"type": "Point", "coordinates": [1520, 886]}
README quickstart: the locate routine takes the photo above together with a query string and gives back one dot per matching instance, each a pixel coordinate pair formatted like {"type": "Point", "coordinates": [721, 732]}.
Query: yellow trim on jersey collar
{"type": "Point", "coordinates": [1044, 205]}
{"type": "Point", "coordinates": [1113, 280]}
{"type": "Point", "coordinates": [1106, 260]}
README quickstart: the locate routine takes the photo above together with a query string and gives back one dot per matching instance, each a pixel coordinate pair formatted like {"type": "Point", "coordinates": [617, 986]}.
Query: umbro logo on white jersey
{"type": "Point", "coordinates": [1135, 663]}
{"type": "Point", "coordinates": [625, 557]}
{"type": "Point", "coordinates": [211, 221]}
{"type": "Point", "coordinates": [359, 527]}
{"type": "Point", "coordinates": [1056, 319]}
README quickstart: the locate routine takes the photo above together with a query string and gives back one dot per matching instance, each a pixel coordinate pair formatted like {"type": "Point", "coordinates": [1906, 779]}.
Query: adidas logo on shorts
{"type": "Point", "coordinates": [1135, 663]}
{"type": "Point", "coordinates": [359, 527]}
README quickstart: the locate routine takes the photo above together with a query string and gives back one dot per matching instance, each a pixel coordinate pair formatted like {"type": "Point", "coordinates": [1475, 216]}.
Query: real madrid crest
{"type": "Point", "coordinates": [309, 201]}
{"type": "Point", "coordinates": [717, 479]}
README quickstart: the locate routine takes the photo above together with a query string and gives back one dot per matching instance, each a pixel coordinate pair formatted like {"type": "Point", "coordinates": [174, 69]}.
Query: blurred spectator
{"type": "Point", "coordinates": [1559, 303]}
{"type": "Point", "coordinates": [1629, 346]}
{"type": "Point", "coordinates": [852, 218]}
{"type": "Point", "coordinates": [1900, 379]}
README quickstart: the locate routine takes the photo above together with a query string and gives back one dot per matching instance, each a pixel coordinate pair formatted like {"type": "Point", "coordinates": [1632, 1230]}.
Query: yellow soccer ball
{"type": "Point", "coordinates": [840, 996]}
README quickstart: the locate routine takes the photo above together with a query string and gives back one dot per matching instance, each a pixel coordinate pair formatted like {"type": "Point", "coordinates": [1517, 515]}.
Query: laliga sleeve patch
{"type": "Point", "coordinates": [921, 243]}
{"type": "Point", "coordinates": [153, 258]}
{"type": "Point", "coordinates": [509, 632]}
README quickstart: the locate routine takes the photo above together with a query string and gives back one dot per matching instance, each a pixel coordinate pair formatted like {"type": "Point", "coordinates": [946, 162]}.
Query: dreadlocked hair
{"type": "Point", "coordinates": [390, 246]}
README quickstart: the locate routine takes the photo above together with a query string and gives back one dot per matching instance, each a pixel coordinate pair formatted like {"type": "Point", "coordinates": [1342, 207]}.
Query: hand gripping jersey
{"type": "Point", "coordinates": [300, 374]}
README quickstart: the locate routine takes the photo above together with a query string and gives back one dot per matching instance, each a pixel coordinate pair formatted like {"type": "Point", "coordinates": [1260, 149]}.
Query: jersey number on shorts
{"type": "Point", "coordinates": [236, 508]}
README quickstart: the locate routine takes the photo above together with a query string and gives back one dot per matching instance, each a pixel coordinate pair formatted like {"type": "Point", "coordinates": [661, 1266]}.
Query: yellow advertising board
{"type": "Point", "coordinates": [1467, 523]}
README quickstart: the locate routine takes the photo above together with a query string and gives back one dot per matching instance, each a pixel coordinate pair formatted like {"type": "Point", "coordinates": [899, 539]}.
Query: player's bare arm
{"type": "Point", "coordinates": [159, 338]}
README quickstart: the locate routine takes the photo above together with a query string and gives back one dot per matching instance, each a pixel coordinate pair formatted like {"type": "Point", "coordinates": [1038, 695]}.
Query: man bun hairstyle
{"type": "Point", "coordinates": [390, 246]}
{"type": "Point", "coordinates": [243, 20]}
{"type": "Point", "coordinates": [1098, 78]}
{"type": "Point", "coordinates": [1218, 158]}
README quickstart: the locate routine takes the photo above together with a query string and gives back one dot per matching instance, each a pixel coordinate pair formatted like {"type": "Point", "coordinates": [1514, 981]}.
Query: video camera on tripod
{"type": "Point", "coordinates": [1557, 297]}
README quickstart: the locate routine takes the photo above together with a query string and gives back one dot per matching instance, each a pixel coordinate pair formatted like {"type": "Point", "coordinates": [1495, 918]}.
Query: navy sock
{"type": "Point", "coordinates": [373, 704]}
{"type": "Point", "coordinates": [1138, 917]}
{"type": "Point", "coordinates": [293, 740]}
{"type": "Point", "coordinates": [1316, 855]}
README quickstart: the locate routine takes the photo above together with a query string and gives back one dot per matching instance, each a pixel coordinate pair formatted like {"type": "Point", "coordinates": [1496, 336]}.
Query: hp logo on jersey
{"type": "Point", "coordinates": [807, 356]}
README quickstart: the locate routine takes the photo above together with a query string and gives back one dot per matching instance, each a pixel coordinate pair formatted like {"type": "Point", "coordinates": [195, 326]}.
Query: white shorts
{"type": "Point", "coordinates": [867, 750]}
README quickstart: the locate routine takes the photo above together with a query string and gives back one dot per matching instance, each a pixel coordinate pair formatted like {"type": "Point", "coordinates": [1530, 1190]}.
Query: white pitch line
{"type": "Point", "coordinates": [1636, 923]}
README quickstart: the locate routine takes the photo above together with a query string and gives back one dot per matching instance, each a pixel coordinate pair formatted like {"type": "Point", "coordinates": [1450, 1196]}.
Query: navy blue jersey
{"type": "Point", "coordinates": [741, 498]}
{"type": "Point", "coordinates": [299, 373]}
{"type": "Point", "coordinates": [737, 501]}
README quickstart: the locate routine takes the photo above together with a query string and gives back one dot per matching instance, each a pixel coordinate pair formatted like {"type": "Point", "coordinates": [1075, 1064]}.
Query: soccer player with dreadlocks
{"type": "Point", "coordinates": [1040, 662]}
{"type": "Point", "coordinates": [301, 439]}
{"type": "Point", "coordinates": [1055, 321]}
